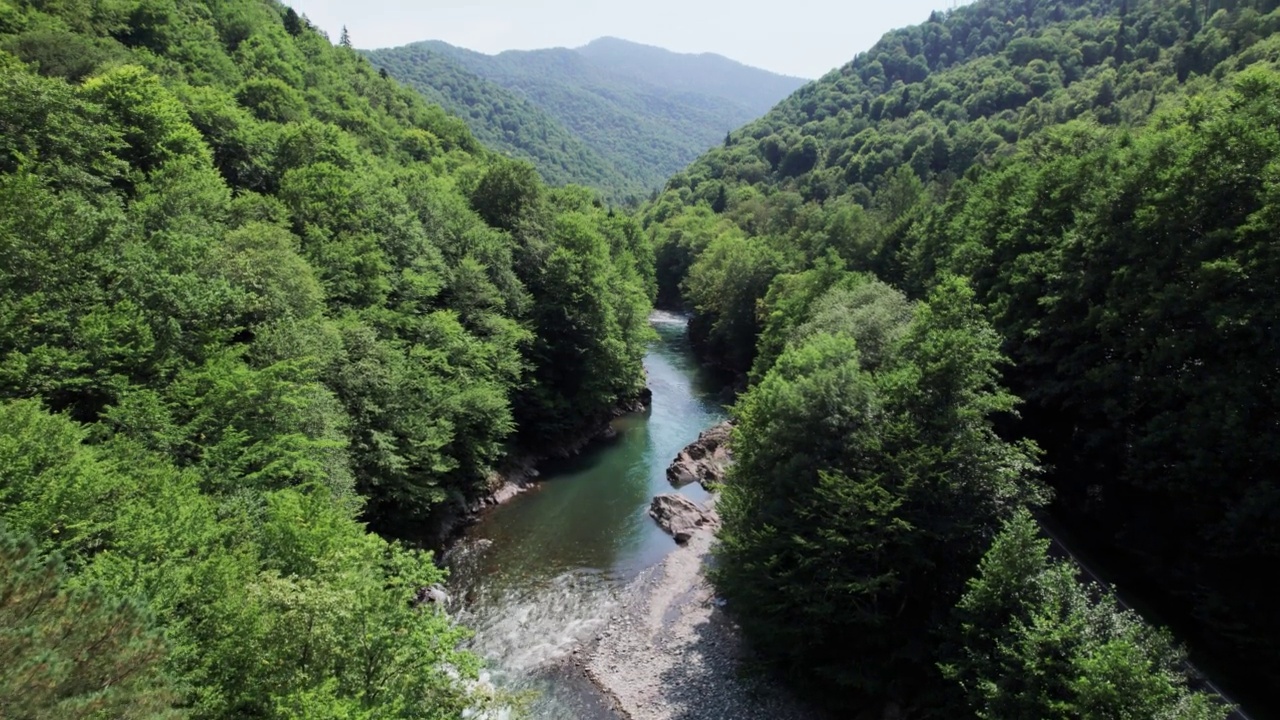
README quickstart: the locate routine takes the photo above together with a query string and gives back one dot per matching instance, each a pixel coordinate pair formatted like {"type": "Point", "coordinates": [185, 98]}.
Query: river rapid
{"type": "Point", "coordinates": [540, 575]}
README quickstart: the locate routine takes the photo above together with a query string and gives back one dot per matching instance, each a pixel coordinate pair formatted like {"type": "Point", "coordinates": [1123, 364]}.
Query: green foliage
{"type": "Point", "coordinates": [587, 326]}
{"type": "Point", "coordinates": [505, 119]}
{"type": "Point", "coordinates": [724, 284]}
{"type": "Point", "coordinates": [1034, 642]}
{"type": "Point", "coordinates": [1164, 383]}
{"type": "Point", "coordinates": [262, 595]}
{"type": "Point", "coordinates": [246, 307]}
{"type": "Point", "coordinates": [70, 652]}
{"type": "Point", "coordinates": [682, 240]}
{"type": "Point", "coordinates": [826, 299]}
{"type": "Point", "coordinates": [612, 115]}
{"type": "Point", "coordinates": [1101, 173]}
{"type": "Point", "coordinates": [57, 53]}
{"type": "Point", "coordinates": [505, 193]}
{"type": "Point", "coordinates": [152, 123]}
{"type": "Point", "coordinates": [865, 493]}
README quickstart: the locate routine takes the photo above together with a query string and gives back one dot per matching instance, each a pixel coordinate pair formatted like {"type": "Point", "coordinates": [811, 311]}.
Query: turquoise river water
{"type": "Point", "coordinates": [539, 575]}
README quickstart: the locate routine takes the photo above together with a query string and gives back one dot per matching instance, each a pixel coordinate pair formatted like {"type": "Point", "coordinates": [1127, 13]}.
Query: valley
{"type": "Point", "coordinates": [604, 382]}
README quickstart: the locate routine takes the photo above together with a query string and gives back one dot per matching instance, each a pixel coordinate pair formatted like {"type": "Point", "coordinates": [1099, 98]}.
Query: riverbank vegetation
{"type": "Point", "coordinates": [253, 296]}
{"type": "Point", "coordinates": [1073, 201]}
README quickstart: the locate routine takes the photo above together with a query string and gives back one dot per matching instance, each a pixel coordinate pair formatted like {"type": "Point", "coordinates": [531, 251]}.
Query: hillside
{"type": "Point", "coordinates": [755, 91]}
{"type": "Point", "coordinates": [256, 298]}
{"type": "Point", "coordinates": [644, 111]}
{"type": "Point", "coordinates": [1097, 178]}
{"type": "Point", "coordinates": [505, 120]}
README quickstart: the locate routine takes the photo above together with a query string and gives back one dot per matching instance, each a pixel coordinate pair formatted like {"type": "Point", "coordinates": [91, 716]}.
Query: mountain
{"type": "Point", "coordinates": [639, 113]}
{"type": "Point", "coordinates": [1094, 182]}
{"type": "Point", "coordinates": [757, 91]}
{"type": "Point", "coordinates": [507, 120]}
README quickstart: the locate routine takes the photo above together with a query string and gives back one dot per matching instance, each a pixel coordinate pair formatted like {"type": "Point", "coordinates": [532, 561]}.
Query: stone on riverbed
{"type": "Point", "coordinates": [705, 460]}
{"type": "Point", "coordinates": [680, 516]}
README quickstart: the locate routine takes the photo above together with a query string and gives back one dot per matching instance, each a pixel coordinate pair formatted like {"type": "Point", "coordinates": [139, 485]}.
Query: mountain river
{"type": "Point", "coordinates": [541, 574]}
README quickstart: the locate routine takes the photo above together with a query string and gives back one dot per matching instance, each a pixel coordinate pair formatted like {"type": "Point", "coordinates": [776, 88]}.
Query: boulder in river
{"type": "Point", "coordinates": [432, 595]}
{"type": "Point", "coordinates": [680, 516]}
{"type": "Point", "coordinates": [705, 460]}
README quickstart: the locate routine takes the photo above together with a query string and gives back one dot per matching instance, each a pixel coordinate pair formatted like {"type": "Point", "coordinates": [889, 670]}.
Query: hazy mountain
{"type": "Point", "coordinates": [508, 121]}
{"type": "Point", "coordinates": [615, 115]}
{"type": "Point", "coordinates": [754, 89]}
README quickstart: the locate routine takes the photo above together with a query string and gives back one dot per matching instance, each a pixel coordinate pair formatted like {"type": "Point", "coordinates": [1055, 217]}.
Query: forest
{"type": "Point", "coordinates": [1015, 261]}
{"type": "Point", "coordinates": [269, 317]}
{"type": "Point", "coordinates": [255, 299]}
{"type": "Point", "coordinates": [612, 115]}
{"type": "Point", "coordinates": [505, 120]}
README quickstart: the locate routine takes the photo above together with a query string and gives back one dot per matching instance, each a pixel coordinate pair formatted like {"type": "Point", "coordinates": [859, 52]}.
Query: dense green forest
{"type": "Point", "coordinates": [505, 120]}
{"type": "Point", "coordinates": [253, 296]}
{"type": "Point", "coordinates": [613, 115]}
{"type": "Point", "coordinates": [1071, 200]}
{"type": "Point", "coordinates": [257, 298]}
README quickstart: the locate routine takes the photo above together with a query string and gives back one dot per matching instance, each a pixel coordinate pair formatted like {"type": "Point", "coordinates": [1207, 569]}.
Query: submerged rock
{"type": "Point", "coordinates": [705, 460]}
{"type": "Point", "coordinates": [680, 516]}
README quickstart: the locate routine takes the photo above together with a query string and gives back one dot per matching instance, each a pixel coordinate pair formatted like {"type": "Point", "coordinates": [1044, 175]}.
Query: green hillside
{"type": "Point", "coordinates": [755, 91]}
{"type": "Point", "coordinates": [504, 119]}
{"type": "Point", "coordinates": [263, 310]}
{"type": "Point", "coordinates": [644, 112]}
{"type": "Point", "coordinates": [253, 296]}
{"type": "Point", "coordinates": [1084, 188]}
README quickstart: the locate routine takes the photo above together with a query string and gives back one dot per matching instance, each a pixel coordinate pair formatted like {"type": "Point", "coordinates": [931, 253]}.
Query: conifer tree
{"type": "Point", "coordinates": [72, 653]}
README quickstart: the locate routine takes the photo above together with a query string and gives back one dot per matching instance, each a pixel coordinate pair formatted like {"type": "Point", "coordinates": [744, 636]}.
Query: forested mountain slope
{"type": "Point", "coordinates": [646, 111]}
{"type": "Point", "coordinates": [508, 121]}
{"type": "Point", "coordinates": [755, 91]}
{"type": "Point", "coordinates": [1097, 178]}
{"type": "Point", "coordinates": [254, 295]}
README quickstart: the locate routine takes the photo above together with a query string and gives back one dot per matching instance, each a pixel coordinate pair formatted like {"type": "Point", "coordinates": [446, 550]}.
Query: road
{"type": "Point", "coordinates": [1061, 549]}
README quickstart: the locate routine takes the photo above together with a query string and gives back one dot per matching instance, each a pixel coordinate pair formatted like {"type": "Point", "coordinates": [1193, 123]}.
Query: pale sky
{"type": "Point", "coordinates": [796, 37]}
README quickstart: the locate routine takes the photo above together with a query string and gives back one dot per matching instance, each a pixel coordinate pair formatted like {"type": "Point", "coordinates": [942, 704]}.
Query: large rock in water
{"type": "Point", "coordinates": [680, 516]}
{"type": "Point", "coordinates": [705, 460]}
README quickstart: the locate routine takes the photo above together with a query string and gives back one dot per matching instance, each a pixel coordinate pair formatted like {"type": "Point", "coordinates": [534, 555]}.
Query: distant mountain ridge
{"type": "Point", "coordinates": [508, 121]}
{"type": "Point", "coordinates": [614, 115]}
{"type": "Point", "coordinates": [704, 73]}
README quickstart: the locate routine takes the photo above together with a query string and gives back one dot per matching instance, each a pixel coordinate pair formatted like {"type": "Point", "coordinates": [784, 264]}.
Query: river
{"type": "Point", "coordinates": [539, 575]}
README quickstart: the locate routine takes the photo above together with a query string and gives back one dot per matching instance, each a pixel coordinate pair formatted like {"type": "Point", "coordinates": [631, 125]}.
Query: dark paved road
{"type": "Point", "coordinates": [1061, 549]}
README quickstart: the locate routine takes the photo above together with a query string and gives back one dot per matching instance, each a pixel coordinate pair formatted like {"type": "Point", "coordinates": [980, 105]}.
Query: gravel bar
{"type": "Point", "coordinates": [671, 653]}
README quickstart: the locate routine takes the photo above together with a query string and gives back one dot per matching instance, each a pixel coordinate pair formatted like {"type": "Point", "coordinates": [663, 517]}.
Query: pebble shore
{"type": "Point", "coordinates": [671, 652]}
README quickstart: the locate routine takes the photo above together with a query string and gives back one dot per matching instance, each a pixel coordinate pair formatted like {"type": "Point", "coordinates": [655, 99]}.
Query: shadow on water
{"type": "Point", "coordinates": [541, 574]}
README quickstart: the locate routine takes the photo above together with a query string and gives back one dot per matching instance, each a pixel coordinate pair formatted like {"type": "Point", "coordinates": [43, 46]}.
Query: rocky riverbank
{"type": "Point", "coordinates": [705, 460]}
{"type": "Point", "coordinates": [671, 652]}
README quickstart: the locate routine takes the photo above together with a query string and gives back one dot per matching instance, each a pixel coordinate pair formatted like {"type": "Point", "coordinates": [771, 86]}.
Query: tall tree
{"type": "Point", "coordinates": [1034, 642]}
{"type": "Point", "coordinates": [865, 494]}
{"type": "Point", "coordinates": [73, 652]}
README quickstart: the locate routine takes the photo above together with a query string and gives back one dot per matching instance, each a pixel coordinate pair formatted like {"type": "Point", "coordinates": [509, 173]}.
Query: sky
{"type": "Point", "coordinates": [805, 38]}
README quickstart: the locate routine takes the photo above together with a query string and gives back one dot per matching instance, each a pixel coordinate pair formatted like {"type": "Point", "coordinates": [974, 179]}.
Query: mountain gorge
{"type": "Point", "coordinates": [614, 115]}
{"type": "Point", "coordinates": [275, 314]}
